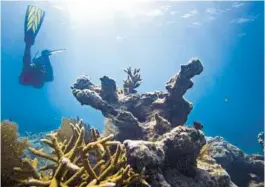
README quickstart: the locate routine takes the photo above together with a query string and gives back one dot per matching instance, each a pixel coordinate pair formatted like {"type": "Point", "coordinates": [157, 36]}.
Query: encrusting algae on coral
{"type": "Point", "coordinates": [77, 164]}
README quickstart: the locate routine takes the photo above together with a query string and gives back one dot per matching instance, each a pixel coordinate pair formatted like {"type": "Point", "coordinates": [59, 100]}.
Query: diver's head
{"type": "Point", "coordinates": [46, 52]}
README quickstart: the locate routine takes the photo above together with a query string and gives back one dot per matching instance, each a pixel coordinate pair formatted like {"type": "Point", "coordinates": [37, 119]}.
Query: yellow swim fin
{"type": "Point", "coordinates": [33, 21]}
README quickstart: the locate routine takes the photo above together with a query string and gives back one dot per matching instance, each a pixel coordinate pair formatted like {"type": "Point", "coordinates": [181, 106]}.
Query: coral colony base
{"type": "Point", "coordinates": [144, 143]}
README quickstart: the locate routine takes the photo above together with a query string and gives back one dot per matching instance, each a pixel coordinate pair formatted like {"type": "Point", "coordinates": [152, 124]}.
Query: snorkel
{"type": "Point", "coordinates": [47, 52]}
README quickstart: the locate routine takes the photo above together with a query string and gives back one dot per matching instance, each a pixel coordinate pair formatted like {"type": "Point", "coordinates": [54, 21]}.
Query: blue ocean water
{"type": "Point", "coordinates": [157, 37]}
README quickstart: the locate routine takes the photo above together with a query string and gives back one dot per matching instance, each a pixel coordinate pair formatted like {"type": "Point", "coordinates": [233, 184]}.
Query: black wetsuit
{"type": "Point", "coordinates": [36, 72]}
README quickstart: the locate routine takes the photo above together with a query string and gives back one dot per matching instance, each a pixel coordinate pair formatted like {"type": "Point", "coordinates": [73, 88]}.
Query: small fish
{"type": "Point", "coordinates": [226, 100]}
{"type": "Point", "coordinates": [197, 125]}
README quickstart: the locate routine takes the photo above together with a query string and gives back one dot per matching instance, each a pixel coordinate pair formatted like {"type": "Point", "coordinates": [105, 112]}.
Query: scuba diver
{"type": "Point", "coordinates": [39, 70]}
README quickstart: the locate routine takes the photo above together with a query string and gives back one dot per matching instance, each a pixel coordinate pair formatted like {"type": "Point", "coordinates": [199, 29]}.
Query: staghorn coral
{"type": "Point", "coordinates": [11, 152]}
{"type": "Point", "coordinates": [133, 80]}
{"type": "Point", "coordinates": [78, 164]}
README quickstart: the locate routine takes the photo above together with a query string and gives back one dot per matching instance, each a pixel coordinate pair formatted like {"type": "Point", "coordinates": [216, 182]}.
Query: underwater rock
{"type": "Point", "coordinates": [203, 178]}
{"type": "Point", "coordinates": [157, 179]}
{"type": "Point", "coordinates": [127, 126]}
{"type": "Point", "coordinates": [156, 127]}
{"type": "Point", "coordinates": [182, 146]}
{"type": "Point", "coordinates": [240, 166]}
{"type": "Point", "coordinates": [140, 109]}
{"type": "Point", "coordinates": [172, 160]}
{"type": "Point", "coordinates": [108, 89]}
{"type": "Point", "coordinates": [92, 98]}
{"type": "Point", "coordinates": [83, 82]}
{"type": "Point", "coordinates": [144, 154]}
{"type": "Point", "coordinates": [181, 82]}
{"type": "Point", "coordinates": [178, 148]}
{"type": "Point", "coordinates": [212, 174]}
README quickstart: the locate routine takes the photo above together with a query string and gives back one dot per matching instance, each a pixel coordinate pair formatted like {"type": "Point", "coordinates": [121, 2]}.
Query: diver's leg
{"type": "Point", "coordinates": [38, 85]}
{"type": "Point", "coordinates": [27, 56]}
{"type": "Point", "coordinates": [25, 75]}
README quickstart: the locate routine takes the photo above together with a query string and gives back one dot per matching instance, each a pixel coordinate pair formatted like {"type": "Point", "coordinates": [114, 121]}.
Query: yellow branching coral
{"type": "Point", "coordinates": [100, 163]}
{"type": "Point", "coordinates": [11, 152]}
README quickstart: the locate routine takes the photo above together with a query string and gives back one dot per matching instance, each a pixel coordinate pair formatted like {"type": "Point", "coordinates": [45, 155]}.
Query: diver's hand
{"type": "Point", "coordinates": [32, 65]}
{"type": "Point", "coordinates": [36, 66]}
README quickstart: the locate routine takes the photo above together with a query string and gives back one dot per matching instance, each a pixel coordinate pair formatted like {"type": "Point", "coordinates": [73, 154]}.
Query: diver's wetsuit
{"type": "Point", "coordinates": [35, 72]}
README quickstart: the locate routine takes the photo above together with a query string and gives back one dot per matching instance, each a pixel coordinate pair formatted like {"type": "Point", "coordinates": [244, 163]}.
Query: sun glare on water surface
{"type": "Point", "coordinates": [95, 10]}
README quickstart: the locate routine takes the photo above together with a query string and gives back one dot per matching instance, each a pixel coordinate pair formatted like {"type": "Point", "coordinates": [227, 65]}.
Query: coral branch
{"type": "Point", "coordinates": [42, 154]}
{"type": "Point", "coordinates": [133, 80]}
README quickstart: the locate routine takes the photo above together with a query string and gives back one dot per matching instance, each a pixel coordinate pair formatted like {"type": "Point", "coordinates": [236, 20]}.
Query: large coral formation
{"type": "Point", "coordinates": [77, 164]}
{"type": "Point", "coordinates": [152, 128]}
{"type": "Point", "coordinates": [12, 150]}
{"type": "Point", "coordinates": [132, 113]}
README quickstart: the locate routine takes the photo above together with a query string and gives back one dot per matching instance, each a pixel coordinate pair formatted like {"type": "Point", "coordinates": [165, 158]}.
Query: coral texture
{"type": "Point", "coordinates": [244, 170]}
{"type": "Point", "coordinates": [176, 160]}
